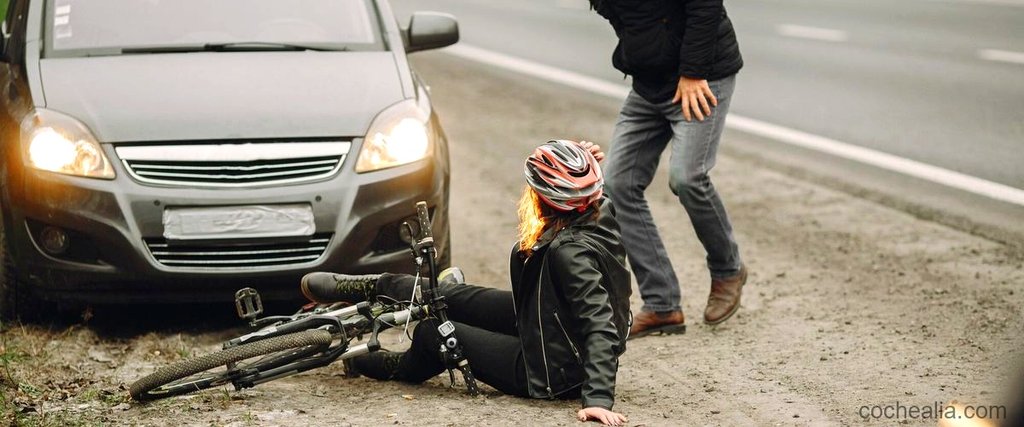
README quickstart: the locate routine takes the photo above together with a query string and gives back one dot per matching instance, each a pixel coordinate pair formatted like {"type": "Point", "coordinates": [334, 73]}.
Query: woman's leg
{"type": "Point", "coordinates": [483, 307]}
{"type": "Point", "coordinates": [495, 358]}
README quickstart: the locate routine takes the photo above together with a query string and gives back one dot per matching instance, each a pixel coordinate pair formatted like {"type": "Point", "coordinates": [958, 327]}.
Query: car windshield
{"type": "Point", "coordinates": [111, 27]}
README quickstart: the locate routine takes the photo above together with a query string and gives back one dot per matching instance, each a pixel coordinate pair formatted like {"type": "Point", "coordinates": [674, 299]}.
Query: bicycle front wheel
{"type": "Point", "coordinates": [218, 368]}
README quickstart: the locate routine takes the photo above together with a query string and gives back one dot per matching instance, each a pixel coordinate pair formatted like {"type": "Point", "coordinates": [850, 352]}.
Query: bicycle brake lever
{"type": "Point", "coordinates": [410, 234]}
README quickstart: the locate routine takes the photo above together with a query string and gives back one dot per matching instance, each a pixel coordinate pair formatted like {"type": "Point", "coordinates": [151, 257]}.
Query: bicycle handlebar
{"type": "Point", "coordinates": [423, 216]}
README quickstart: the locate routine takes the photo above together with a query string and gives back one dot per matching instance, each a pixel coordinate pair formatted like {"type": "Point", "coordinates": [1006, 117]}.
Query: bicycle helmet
{"type": "Point", "coordinates": [565, 175]}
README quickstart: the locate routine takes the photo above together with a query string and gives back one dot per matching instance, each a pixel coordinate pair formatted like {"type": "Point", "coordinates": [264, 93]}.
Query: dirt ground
{"type": "Point", "coordinates": [850, 304]}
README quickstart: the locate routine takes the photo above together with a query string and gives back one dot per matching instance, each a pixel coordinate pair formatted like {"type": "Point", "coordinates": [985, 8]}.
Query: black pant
{"type": "Point", "coordinates": [485, 324]}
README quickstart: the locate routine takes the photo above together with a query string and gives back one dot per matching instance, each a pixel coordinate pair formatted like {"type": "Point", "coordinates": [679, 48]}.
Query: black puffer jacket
{"type": "Point", "coordinates": [572, 308]}
{"type": "Point", "coordinates": [661, 40]}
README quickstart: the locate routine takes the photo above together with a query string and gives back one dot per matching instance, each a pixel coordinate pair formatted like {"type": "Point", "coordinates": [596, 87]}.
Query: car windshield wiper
{"type": "Point", "coordinates": [234, 47]}
{"type": "Point", "coordinates": [217, 47]}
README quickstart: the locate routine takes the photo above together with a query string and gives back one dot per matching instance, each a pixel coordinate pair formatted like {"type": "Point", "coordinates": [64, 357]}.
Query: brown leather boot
{"type": "Point", "coordinates": [649, 322]}
{"type": "Point", "coordinates": [724, 299]}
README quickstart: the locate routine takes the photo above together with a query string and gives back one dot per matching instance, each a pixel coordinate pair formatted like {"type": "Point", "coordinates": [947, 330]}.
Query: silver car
{"type": "Point", "coordinates": [174, 150]}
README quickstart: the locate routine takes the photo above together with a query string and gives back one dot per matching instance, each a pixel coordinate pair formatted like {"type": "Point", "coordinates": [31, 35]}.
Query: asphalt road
{"type": "Point", "coordinates": [937, 81]}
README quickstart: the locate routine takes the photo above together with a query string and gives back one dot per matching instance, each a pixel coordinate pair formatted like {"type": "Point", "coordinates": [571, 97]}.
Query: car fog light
{"type": "Point", "coordinates": [54, 240]}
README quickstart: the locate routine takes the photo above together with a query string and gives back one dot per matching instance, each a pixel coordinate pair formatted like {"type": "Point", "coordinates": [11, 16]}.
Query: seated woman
{"type": "Point", "coordinates": [560, 331]}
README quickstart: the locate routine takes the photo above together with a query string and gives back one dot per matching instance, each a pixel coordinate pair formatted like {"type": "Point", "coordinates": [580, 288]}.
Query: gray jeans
{"type": "Point", "coordinates": [641, 134]}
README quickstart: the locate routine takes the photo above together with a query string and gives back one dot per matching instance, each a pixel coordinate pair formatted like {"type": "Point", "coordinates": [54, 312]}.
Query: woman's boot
{"type": "Point", "coordinates": [333, 287]}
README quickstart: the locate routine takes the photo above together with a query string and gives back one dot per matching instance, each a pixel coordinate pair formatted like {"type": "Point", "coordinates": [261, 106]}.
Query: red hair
{"type": "Point", "coordinates": [536, 217]}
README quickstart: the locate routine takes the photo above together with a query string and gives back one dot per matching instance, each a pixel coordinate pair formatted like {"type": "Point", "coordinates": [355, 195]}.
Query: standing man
{"type": "Point", "coordinates": [683, 57]}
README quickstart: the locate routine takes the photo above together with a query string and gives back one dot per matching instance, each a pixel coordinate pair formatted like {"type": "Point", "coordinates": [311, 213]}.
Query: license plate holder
{"type": "Point", "coordinates": [238, 222]}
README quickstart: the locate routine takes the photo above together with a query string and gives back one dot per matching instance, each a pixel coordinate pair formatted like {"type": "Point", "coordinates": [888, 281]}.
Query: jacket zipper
{"type": "Point", "coordinates": [543, 351]}
{"type": "Point", "coordinates": [522, 347]}
{"type": "Point", "coordinates": [575, 352]}
{"type": "Point", "coordinates": [515, 310]}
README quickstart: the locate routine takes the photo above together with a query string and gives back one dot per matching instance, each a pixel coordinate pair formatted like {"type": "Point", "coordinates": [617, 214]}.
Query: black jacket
{"type": "Point", "coordinates": [572, 308]}
{"type": "Point", "coordinates": [661, 40]}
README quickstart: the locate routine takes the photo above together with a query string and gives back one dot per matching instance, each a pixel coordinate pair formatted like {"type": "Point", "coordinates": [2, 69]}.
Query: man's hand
{"type": "Point", "coordinates": [601, 415]}
{"type": "Point", "coordinates": [695, 96]}
{"type": "Point", "coordinates": [594, 149]}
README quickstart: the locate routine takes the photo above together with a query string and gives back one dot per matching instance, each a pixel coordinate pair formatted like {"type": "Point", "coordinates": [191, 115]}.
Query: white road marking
{"type": "Point", "coordinates": [782, 134]}
{"type": "Point", "coordinates": [539, 70]}
{"type": "Point", "coordinates": [1002, 56]}
{"type": "Point", "coordinates": [879, 159]}
{"type": "Point", "coordinates": [813, 33]}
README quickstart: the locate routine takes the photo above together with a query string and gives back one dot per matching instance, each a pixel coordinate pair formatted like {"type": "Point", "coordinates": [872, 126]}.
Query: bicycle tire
{"type": "Point", "coordinates": [142, 389]}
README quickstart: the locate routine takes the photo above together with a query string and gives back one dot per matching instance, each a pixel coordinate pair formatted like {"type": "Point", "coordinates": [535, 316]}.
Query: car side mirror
{"type": "Point", "coordinates": [430, 30]}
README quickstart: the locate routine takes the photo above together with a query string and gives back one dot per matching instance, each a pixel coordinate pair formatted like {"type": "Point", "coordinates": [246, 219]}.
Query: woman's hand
{"type": "Point", "coordinates": [594, 149]}
{"type": "Point", "coordinates": [602, 416]}
{"type": "Point", "coordinates": [695, 95]}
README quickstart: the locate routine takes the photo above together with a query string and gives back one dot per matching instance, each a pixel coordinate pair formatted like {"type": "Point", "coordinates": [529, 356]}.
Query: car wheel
{"type": "Point", "coordinates": [16, 300]}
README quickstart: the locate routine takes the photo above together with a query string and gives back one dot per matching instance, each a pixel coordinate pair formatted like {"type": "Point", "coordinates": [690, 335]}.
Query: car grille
{"type": "Point", "coordinates": [236, 255]}
{"type": "Point", "coordinates": [233, 165]}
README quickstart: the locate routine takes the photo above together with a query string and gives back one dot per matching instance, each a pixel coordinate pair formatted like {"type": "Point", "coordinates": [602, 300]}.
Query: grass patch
{"type": "Point", "coordinates": [8, 384]}
{"type": "Point", "coordinates": [28, 383]}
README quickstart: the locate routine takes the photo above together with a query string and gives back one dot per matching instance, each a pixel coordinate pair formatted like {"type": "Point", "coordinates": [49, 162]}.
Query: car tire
{"type": "Point", "coordinates": [223, 362]}
{"type": "Point", "coordinates": [16, 299]}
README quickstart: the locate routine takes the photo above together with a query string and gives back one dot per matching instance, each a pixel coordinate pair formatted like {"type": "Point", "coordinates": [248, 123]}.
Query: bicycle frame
{"type": "Point", "coordinates": [250, 378]}
{"type": "Point", "coordinates": [349, 322]}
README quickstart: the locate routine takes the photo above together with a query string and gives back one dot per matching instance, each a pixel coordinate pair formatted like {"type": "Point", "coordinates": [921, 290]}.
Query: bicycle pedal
{"type": "Point", "coordinates": [248, 303]}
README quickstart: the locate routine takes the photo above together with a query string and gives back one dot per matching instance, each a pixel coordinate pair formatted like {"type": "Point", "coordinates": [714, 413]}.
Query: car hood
{"type": "Point", "coordinates": [218, 95]}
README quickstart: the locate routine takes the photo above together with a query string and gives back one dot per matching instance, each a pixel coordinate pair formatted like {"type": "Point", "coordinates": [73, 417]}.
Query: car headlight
{"type": "Point", "coordinates": [58, 143]}
{"type": "Point", "coordinates": [397, 136]}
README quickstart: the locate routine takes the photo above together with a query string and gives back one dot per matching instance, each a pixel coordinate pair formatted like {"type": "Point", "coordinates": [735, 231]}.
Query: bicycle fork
{"type": "Point", "coordinates": [451, 351]}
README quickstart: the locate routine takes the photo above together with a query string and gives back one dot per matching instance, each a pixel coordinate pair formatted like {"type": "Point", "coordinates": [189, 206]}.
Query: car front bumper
{"type": "Point", "coordinates": [111, 221]}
